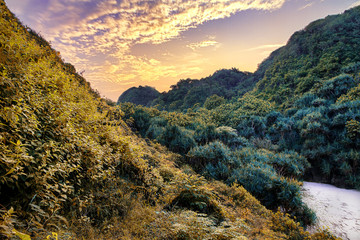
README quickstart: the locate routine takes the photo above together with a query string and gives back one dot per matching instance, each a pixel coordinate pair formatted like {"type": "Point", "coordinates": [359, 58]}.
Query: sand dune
{"type": "Point", "coordinates": [336, 208]}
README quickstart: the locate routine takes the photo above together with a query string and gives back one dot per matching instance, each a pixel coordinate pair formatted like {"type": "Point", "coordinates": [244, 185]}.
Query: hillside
{"type": "Point", "coordinates": [142, 95]}
{"type": "Point", "coordinates": [321, 51]}
{"type": "Point", "coordinates": [71, 169]}
{"type": "Point", "coordinates": [225, 83]}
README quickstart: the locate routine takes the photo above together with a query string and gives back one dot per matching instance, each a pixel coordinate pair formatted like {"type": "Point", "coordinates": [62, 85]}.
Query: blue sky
{"type": "Point", "coordinates": [125, 43]}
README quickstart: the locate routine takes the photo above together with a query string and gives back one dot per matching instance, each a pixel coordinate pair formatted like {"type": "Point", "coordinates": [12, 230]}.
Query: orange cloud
{"type": "Point", "coordinates": [97, 36]}
{"type": "Point", "coordinates": [306, 6]}
{"type": "Point", "coordinates": [355, 4]}
{"type": "Point", "coordinates": [202, 44]}
{"type": "Point", "coordinates": [265, 47]}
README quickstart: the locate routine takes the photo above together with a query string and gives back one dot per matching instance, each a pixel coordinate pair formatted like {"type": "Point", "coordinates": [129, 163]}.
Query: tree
{"type": "Point", "coordinates": [213, 102]}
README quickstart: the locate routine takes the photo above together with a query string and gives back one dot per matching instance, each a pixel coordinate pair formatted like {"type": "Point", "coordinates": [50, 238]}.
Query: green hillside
{"type": "Point", "coordinates": [70, 168]}
{"type": "Point", "coordinates": [188, 92]}
{"type": "Point", "coordinates": [142, 95]}
{"type": "Point", "coordinates": [321, 51]}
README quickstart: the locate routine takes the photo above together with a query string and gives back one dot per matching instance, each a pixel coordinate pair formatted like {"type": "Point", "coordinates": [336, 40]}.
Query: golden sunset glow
{"type": "Point", "coordinates": [124, 43]}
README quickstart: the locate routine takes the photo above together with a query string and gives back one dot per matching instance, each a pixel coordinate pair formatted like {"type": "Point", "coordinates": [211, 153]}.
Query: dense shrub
{"type": "Point", "coordinates": [251, 126]}
{"type": "Point", "coordinates": [213, 102]}
{"type": "Point", "coordinates": [334, 88]}
{"type": "Point", "coordinates": [178, 139]}
{"type": "Point", "coordinates": [212, 153]}
{"type": "Point", "coordinates": [265, 174]}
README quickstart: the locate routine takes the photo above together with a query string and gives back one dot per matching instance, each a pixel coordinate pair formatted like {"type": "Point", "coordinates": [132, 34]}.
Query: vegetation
{"type": "Point", "coordinates": [189, 92]}
{"type": "Point", "coordinates": [321, 51]}
{"type": "Point", "coordinates": [306, 100]}
{"type": "Point", "coordinates": [301, 120]}
{"type": "Point", "coordinates": [221, 153]}
{"type": "Point", "coordinates": [70, 168]}
{"type": "Point", "coordinates": [139, 95]}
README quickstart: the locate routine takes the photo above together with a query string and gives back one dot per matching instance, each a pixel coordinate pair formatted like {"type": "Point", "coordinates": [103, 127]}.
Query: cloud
{"type": "Point", "coordinates": [265, 50]}
{"type": "Point", "coordinates": [99, 35]}
{"type": "Point", "coordinates": [112, 26]}
{"type": "Point", "coordinates": [18, 7]}
{"type": "Point", "coordinates": [306, 6]}
{"type": "Point", "coordinates": [355, 4]}
{"type": "Point", "coordinates": [265, 47]}
{"type": "Point", "coordinates": [202, 44]}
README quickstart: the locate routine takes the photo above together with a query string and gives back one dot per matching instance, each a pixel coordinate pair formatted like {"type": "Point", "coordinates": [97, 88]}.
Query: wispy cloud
{"type": "Point", "coordinates": [355, 4]}
{"type": "Point", "coordinates": [97, 36]}
{"type": "Point", "coordinates": [265, 47]}
{"type": "Point", "coordinates": [202, 44]}
{"type": "Point", "coordinates": [138, 21]}
{"type": "Point", "coordinates": [264, 50]}
{"type": "Point", "coordinates": [306, 6]}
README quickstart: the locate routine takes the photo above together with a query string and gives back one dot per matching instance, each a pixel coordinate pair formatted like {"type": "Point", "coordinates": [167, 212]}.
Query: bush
{"type": "Point", "coordinates": [212, 153]}
{"type": "Point", "coordinates": [213, 102]}
{"type": "Point", "coordinates": [205, 133]}
{"type": "Point", "coordinates": [177, 139]}
{"type": "Point", "coordinates": [251, 126]}
{"type": "Point", "coordinates": [334, 88]}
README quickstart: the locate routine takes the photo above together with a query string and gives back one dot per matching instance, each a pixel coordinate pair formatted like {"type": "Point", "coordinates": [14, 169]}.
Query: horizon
{"type": "Point", "coordinates": [124, 44]}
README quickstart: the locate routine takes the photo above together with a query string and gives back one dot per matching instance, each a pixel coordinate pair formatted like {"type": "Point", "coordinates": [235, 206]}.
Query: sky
{"type": "Point", "coordinates": [118, 44]}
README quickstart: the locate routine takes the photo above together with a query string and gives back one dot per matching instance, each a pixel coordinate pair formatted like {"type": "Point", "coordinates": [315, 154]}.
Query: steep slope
{"type": "Point", "coordinates": [139, 95]}
{"type": "Point", "coordinates": [71, 169]}
{"type": "Point", "coordinates": [324, 49]}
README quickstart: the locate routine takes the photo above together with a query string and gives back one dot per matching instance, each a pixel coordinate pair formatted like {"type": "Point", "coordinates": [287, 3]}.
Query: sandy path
{"type": "Point", "coordinates": [336, 208]}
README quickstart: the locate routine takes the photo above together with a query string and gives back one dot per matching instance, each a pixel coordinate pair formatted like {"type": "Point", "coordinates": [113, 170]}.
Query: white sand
{"type": "Point", "coordinates": [336, 208]}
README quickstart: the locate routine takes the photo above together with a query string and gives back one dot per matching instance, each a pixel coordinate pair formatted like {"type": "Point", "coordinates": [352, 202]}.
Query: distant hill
{"type": "Point", "coordinates": [142, 95]}
{"type": "Point", "coordinates": [324, 49]}
{"type": "Point", "coordinates": [225, 83]}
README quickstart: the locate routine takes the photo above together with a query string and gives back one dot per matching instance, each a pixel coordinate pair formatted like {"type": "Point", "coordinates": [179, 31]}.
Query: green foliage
{"type": "Point", "coordinates": [353, 130]}
{"type": "Point", "coordinates": [139, 95]}
{"type": "Point", "coordinates": [230, 137]}
{"type": "Point", "coordinates": [323, 50]}
{"type": "Point", "coordinates": [141, 120]}
{"type": "Point", "coordinates": [268, 176]}
{"type": "Point", "coordinates": [304, 109]}
{"type": "Point", "coordinates": [334, 88]}
{"type": "Point", "coordinates": [187, 92]}
{"type": "Point", "coordinates": [213, 102]}
{"type": "Point", "coordinates": [326, 133]}
{"type": "Point", "coordinates": [265, 174]}
{"type": "Point", "coordinates": [212, 153]}
{"type": "Point", "coordinates": [231, 114]}
{"type": "Point", "coordinates": [251, 126]}
{"type": "Point", "coordinates": [63, 154]}
{"type": "Point", "coordinates": [177, 139]}
{"type": "Point", "coordinates": [205, 133]}
{"type": "Point", "coordinates": [352, 95]}
{"type": "Point", "coordinates": [194, 196]}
